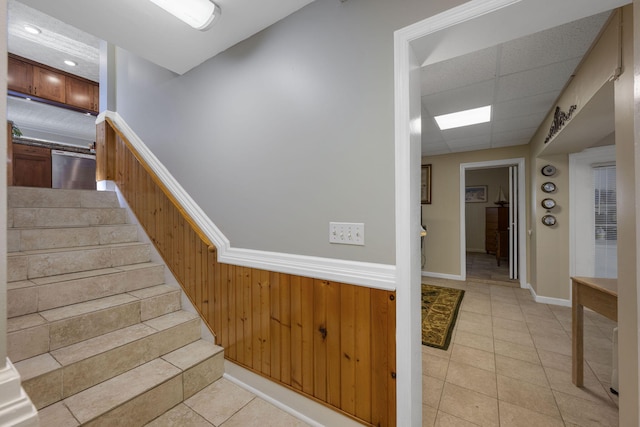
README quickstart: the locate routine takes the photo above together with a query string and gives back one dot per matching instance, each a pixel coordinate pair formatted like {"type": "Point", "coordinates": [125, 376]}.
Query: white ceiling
{"type": "Point", "coordinates": [521, 79]}
{"type": "Point", "coordinates": [143, 28]}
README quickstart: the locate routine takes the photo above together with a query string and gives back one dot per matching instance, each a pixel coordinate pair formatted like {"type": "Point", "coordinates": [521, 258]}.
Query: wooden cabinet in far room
{"type": "Point", "coordinates": [497, 231]}
{"type": "Point", "coordinates": [31, 166]}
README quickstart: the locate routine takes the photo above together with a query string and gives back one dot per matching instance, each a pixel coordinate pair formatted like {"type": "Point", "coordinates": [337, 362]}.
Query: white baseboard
{"type": "Point", "coordinates": [442, 276]}
{"type": "Point", "coordinates": [548, 300]}
{"type": "Point", "coordinates": [305, 409]}
{"type": "Point", "coordinates": [16, 409]}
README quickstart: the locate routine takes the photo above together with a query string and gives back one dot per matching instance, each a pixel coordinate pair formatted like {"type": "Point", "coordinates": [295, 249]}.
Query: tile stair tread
{"type": "Point", "coordinates": [36, 366]}
{"type": "Point", "coordinates": [101, 398]}
{"type": "Point", "coordinates": [73, 227]}
{"type": "Point", "coordinates": [60, 197]}
{"type": "Point", "coordinates": [75, 249]}
{"type": "Point", "coordinates": [47, 280]}
{"type": "Point", "coordinates": [25, 322]}
{"type": "Point", "coordinates": [169, 320]}
{"type": "Point", "coordinates": [192, 354]}
{"type": "Point", "coordinates": [79, 309]}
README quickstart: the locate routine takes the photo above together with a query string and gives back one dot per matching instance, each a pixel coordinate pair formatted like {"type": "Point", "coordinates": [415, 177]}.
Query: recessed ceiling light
{"type": "Point", "coordinates": [464, 118]}
{"type": "Point", "coordinates": [32, 30]}
{"type": "Point", "coordinates": [70, 63]}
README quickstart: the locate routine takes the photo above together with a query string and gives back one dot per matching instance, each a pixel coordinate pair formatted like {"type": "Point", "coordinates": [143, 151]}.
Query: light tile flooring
{"type": "Point", "coordinates": [483, 267]}
{"type": "Point", "coordinates": [224, 404]}
{"type": "Point", "coordinates": [509, 364]}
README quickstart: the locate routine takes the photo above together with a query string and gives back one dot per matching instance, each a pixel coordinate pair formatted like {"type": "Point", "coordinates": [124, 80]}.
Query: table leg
{"type": "Point", "coordinates": [577, 337]}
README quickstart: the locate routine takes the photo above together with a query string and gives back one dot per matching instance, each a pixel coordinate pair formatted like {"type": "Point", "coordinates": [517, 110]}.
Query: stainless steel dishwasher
{"type": "Point", "coordinates": [73, 170]}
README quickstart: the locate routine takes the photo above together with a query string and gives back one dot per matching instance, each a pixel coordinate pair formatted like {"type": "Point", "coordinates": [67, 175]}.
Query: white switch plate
{"type": "Point", "coordinates": [346, 233]}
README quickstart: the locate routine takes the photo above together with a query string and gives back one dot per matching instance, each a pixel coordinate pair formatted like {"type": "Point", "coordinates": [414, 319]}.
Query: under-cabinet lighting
{"type": "Point", "coordinates": [199, 14]}
{"type": "Point", "coordinates": [70, 63]}
{"type": "Point", "coordinates": [32, 30]}
{"type": "Point", "coordinates": [464, 118]}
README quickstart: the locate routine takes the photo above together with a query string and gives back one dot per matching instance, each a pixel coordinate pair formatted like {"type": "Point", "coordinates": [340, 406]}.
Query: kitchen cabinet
{"type": "Point", "coordinates": [31, 166]}
{"type": "Point", "coordinates": [20, 76]}
{"type": "Point", "coordinates": [49, 84]}
{"type": "Point", "coordinates": [81, 94]}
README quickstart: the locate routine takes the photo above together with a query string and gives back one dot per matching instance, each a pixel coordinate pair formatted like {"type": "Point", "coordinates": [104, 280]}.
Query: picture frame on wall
{"type": "Point", "coordinates": [425, 188]}
{"type": "Point", "coordinates": [476, 194]}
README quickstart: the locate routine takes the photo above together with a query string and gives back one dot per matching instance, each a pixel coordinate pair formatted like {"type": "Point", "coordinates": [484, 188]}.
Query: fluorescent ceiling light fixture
{"type": "Point", "coordinates": [199, 14]}
{"type": "Point", "coordinates": [70, 63]}
{"type": "Point", "coordinates": [32, 30]}
{"type": "Point", "coordinates": [464, 118]}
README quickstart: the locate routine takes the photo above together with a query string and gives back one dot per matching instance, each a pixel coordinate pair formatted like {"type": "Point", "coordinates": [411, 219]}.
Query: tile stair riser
{"type": "Point", "coordinates": [40, 197]}
{"type": "Point", "coordinates": [163, 385]}
{"type": "Point", "coordinates": [31, 266]}
{"type": "Point", "coordinates": [65, 217]}
{"type": "Point", "coordinates": [66, 381]}
{"type": "Point", "coordinates": [52, 238]}
{"type": "Point", "coordinates": [86, 373]}
{"type": "Point", "coordinates": [44, 297]}
{"type": "Point", "coordinates": [29, 342]}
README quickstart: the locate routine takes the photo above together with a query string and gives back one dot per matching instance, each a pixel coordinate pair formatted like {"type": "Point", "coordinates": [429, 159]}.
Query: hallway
{"type": "Point", "coordinates": [509, 364]}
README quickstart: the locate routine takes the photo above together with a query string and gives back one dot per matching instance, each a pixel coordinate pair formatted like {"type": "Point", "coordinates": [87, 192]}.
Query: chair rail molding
{"type": "Point", "coordinates": [373, 275]}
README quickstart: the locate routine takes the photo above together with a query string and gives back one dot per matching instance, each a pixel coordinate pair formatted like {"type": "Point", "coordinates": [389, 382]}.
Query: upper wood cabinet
{"type": "Point", "coordinates": [20, 76]}
{"type": "Point", "coordinates": [81, 94]}
{"type": "Point", "coordinates": [48, 84]}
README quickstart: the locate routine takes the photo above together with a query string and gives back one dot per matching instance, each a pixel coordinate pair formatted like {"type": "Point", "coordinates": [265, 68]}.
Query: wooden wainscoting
{"type": "Point", "coordinates": [333, 342]}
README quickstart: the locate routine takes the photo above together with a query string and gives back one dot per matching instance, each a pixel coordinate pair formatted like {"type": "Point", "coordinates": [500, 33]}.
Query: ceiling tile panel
{"type": "Point", "coordinates": [464, 98]}
{"type": "Point", "coordinates": [458, 72]}
{"type": "Point", "coordinates": [515, 123]}
{"type": "Point", "coordinates": [536, 104]}
{"type": "Point", "coordinates": [558, 44]}
{"type": "Point", "coordinates": [536, 81]}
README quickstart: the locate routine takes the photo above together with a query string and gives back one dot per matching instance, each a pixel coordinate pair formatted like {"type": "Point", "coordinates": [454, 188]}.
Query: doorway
{"type": "Point", "coordinates": [500, 249]}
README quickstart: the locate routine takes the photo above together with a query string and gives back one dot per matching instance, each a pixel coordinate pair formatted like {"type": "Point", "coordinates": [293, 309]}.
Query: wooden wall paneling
{"type": "Point", "coordinates": [255, 323]}
{"type": "Point", "coordinates": [307, 307]}
{"type": "Point", "coordinates": [265, 321]}
{"type": "Point", "coordinates": [231, 322]}
{"type": "Point", "coordinates": [380, 371]}
{"type": "Point", "coordinates": [363, 353]}
{"type": "Point", "coordinates": [275, 329]}
{"type": "Point", "coordinates": [296, 332]}
{"type": "Point", "coordinates": [334, 342]}
{"type": "Point", "coordinates": [320, 332]}
{"type": "Point", "coordinates": [391, 340]}
{"type": "Point", "coordinates": [334, 353]}
{"type": "Point", "coordinates": [348, 349]}
{"type": "Point", "coordinates": [244, 281]}
{"type": "Point", "coordinates": [284, 287]}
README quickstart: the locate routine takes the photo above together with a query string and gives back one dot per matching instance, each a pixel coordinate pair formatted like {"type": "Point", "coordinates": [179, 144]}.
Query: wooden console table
{"type": "Point", "coordinates": [601, 296]}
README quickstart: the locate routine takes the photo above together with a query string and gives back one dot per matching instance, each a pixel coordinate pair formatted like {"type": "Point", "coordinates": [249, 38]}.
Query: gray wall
{"type": "Point", "coordinates": [286, 131]}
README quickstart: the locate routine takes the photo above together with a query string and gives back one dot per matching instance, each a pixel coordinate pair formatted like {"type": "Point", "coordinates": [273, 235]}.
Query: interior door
{"type": "Point", "coordinates": [514, 244]}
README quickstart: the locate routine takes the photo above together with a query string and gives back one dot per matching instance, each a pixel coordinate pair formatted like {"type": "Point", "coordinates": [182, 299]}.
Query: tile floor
{"type": "Point", "coordinates": [483, 267]}
{"type": "Point", "coordinates": [509, 364]}
{"type": "Point", "coordinates": [224, 404]}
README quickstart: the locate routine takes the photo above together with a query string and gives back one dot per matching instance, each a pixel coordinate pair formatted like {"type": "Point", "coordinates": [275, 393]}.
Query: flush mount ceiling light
{"type": "Point", "coordinates": [464, 118]}
{"type": "Point", "coordinates": [32, 30]}
{"type": "Point", "coordinates": [199, 14]}
{"type": "Point", "coordinates": [70, 63]}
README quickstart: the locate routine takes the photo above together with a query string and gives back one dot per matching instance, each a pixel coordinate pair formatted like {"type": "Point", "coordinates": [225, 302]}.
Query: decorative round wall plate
{"type": "Point", "coordinates": [548, 170]}
{"type": "Point", "coordinates": [549, 220]}
{"type": "Point", "coordinates": [548, 203]}
{"type": "Point", "coordinates": [548, 187]}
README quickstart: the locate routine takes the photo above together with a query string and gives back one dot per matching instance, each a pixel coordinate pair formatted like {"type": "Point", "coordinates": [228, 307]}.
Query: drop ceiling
{"type": "Point", "coordinates": [521, 79]}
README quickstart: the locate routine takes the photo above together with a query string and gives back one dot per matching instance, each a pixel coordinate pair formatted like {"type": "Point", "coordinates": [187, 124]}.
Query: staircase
{"type": "Point", "coordinates": [96, 335]}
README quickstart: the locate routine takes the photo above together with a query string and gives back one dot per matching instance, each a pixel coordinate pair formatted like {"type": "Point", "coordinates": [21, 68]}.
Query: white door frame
{"type": "Point", "coordinates": [470, 17]}
{"type": "Point", "coordinates": [522, 247]}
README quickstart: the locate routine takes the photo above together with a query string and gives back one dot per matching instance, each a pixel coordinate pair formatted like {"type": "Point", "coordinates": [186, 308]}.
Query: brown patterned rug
{"type": "Point", "coordinates": [439, 312]}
